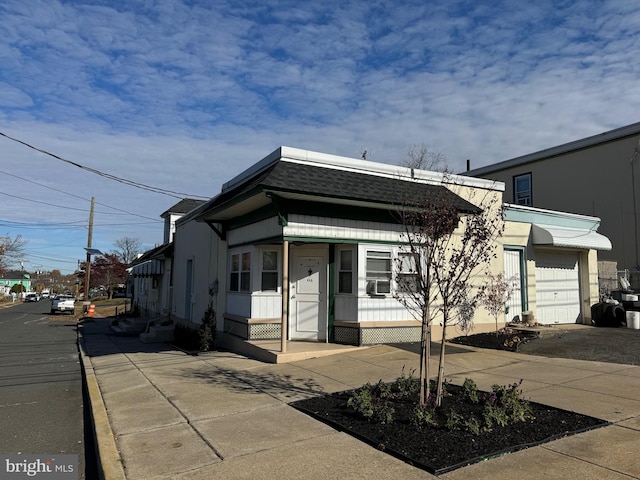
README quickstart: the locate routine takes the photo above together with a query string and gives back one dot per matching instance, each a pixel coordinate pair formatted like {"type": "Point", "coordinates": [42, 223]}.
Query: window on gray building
{"type": "Point", "coordinates": [522, 190]}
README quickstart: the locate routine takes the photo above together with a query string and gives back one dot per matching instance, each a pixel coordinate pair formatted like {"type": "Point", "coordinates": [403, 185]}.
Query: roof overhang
{"type": "Point", "coordinates": [554, 236]}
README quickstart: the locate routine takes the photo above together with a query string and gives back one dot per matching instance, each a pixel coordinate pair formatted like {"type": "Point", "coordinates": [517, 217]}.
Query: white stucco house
{"type": "Point", "coordinates": [302, 245]}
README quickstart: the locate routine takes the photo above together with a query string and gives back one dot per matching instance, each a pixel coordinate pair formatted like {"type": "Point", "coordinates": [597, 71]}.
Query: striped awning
{"type": "Point", "coordinates": [147, 269]}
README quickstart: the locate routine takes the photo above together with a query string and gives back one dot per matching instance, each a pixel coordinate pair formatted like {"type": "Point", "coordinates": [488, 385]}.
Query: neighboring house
{"type": "Point", "coordinates": [150, 275]}
{"type": "Point", "coordinates": [149, 282]}
{"type": "Point", "coordinates": [174, 213]}
{"type": "Point", "coordinates": [308, 241]}
{"type": "Point", "coordinates": [12, 278]}
{"type": "Point", "coordinates": [596, 176]}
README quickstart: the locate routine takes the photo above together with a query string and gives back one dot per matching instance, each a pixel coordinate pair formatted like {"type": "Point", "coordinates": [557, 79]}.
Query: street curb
{"type": "Point", "coordinates": [108, 457]}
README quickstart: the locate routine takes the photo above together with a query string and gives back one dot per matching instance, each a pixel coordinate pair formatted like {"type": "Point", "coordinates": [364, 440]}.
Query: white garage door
{"type": "Point", "coordinates": [557, 288]}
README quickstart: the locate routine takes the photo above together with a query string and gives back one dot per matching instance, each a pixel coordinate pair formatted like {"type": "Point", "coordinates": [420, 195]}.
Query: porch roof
{"type": "Point", "coordinates": [299, 181]}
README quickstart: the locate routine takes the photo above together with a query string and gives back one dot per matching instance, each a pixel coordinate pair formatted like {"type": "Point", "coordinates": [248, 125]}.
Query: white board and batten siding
{"type": "Point", "coordinates": [557, 288]}
{"type": "Point", "coordinates": [342, 229]}
{"type": "Point", "coordinates": [266, 305]}
{"type": "Point", "coordinates": [267, 228]}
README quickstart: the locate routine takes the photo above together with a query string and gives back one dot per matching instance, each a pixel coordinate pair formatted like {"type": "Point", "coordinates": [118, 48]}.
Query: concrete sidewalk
{"type": "Point", "coordinates": [162, 414]}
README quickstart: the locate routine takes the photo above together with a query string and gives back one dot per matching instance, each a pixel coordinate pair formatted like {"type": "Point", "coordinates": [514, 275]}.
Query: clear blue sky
{"type": "Point", "coordinates": [183, 95]}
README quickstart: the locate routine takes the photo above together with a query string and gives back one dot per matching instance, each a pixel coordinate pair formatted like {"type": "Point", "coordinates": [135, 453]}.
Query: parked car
{"type": "Point", "coordinates": [31, 297]}
{"type": "Point", "coordinates": [63, 303]}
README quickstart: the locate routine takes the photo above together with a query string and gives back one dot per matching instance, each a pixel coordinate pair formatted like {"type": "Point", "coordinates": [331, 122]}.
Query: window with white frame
{"type": "Point", "coordinates": [240, 272]}
{"type": "Point", "coordinates": [245, 272]}
{"type": "Point", "coordinates": [234, 273]}
{"type": "Point", "coordinates": [407, 275]}
{"type": "Point", "coordinates": [378, 273]}
{"type": "Point", "coordinates": [345, 271]}
{"type": "Point", "coordinates": [269, 281]}
{"type": "Point", "coordinates": [522, 190]}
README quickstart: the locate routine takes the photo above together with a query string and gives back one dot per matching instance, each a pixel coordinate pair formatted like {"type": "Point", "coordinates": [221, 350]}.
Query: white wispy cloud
{"type": "Point", "coordinates": [185, 95]}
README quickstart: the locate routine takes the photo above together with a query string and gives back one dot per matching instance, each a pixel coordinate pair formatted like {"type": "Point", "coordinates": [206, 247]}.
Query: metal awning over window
{"type": "Point", "coordinates": [147, 269]}
{"type": "Point", "coordinates": [568, 237]}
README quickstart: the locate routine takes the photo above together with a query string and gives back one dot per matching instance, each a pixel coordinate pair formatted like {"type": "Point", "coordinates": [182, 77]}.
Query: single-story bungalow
{"type": "Point", "coordinates": [302, 246]}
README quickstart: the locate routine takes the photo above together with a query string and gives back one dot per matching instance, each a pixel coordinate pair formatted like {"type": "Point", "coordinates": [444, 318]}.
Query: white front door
{"type": "Point", "coordinates": [308, 294]}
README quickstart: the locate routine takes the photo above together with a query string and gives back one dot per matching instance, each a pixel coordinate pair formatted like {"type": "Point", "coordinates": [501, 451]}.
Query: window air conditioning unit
{"type": "Point", "coordinates": [382, 287]}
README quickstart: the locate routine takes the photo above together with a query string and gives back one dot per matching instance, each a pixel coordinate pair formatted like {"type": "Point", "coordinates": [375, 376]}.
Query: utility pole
{"type": "Point", "coordinates": [87, 275]}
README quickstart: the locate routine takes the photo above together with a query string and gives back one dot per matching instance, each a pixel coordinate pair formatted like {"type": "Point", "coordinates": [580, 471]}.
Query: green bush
{"type": "Point", "coordinates": [470, 390]}
{"type": "Point", "coordinates": [424, 416]}
{"type": "Point", "coordinates": [373, 402]}
{"type": "Point", "coordinates": [208, 329]}
{"type": "Point", "coordinates": [407, 385]}
{"type": "Point", "coordinates": [504, 406]}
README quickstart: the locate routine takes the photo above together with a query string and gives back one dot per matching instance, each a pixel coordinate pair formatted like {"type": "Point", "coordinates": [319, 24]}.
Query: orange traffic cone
{"type": "Point", "coordinates": [92, 310]}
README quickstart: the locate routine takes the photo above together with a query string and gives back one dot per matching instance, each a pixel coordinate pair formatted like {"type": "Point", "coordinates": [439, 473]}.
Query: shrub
{"type": "Point", "coordinates": [373, 402]}
{"type": "Point", "coordinates": [423, 416]}
{"type": "Point", "coordinates": [208, 329]}
{"type": "Point", "coordinates": [505, 406]}
{"type": "Point", "coordinates": [407, 385]}
{"type": "Point", "coordinates": [470, 390]}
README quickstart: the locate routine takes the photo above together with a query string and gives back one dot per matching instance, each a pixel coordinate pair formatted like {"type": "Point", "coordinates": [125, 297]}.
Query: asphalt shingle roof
{"type": "Point", "coordinates": [293, 177]}
{"type": "Point", "coordinates": [183, 206]}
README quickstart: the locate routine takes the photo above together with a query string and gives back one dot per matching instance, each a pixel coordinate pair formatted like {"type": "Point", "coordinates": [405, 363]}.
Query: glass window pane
{"type": "Point", "coordinates": [235, 262]}
{"type": "Point", "coordinates": [245, 278]}
{"type": "Point", "coordinates": [246, 261]}
{"type": "Point", "coordinates": [346, 260]}
{"type": "Point", "coordinates": [233, 282]}
{"type": "Point", "coordinates": [269, 260]}
{"type": "Point", "coordinates": [269, 281]}
{"type": "Point", "coordinates": [345, 284]}
{"type": "Point", "coordinates": [378, 265]}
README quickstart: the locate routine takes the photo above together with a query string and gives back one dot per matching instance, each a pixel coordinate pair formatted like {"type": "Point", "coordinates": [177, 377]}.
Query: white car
{"type": "Point", "coordinates": [63, 303]}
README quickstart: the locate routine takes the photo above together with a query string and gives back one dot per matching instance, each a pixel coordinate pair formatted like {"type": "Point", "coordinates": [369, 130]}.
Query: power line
{"type": "Point", "coordinates": [124, 212]}
{"type": "Point", "coordinates": [43, 203]}
{"type": "Point", "coordinates": [131, 183]}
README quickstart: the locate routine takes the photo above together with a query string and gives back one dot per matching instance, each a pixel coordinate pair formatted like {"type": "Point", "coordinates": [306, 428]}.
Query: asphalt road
{"type": "Point", "coordinates": [597, 344]}
{"type": "Point", "coordinates": [41, 385]}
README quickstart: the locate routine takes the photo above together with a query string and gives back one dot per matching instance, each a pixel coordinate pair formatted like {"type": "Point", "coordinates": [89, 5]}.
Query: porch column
{"type": "Point", "coordinates": [285, 295]}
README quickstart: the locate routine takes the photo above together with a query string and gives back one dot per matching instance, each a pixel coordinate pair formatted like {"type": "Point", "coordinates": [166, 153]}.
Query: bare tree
{"type": "Point", "coordinates": [421, 157]}
{"type": "Point", "coordinates": [441, 256]}
{"type": "Point", "coordinates": [462, 261]}
{"type": "Point", "coordinates": [128, 249]}
{"type": "Point", "coordinates": [425, 226]}
{"type": "Point", "coordinates": [11, 251]}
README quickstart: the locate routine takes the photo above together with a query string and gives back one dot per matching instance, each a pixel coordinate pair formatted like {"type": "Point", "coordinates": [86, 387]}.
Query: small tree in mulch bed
{"type": "Point", "coordinates": [446, 244]}
{"type": "Point", "coordinates": [497, 293]}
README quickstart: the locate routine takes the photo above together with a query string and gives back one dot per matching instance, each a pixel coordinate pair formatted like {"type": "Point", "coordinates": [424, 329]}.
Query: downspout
{"type": "Point", "coordinates": [285, 295]}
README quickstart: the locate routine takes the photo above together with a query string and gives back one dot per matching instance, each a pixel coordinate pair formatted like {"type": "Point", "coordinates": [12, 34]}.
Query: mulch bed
{"type": "Point", "coordinates": [509, 339]}
{"type": "Point", "coordinates": [437, 449]}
